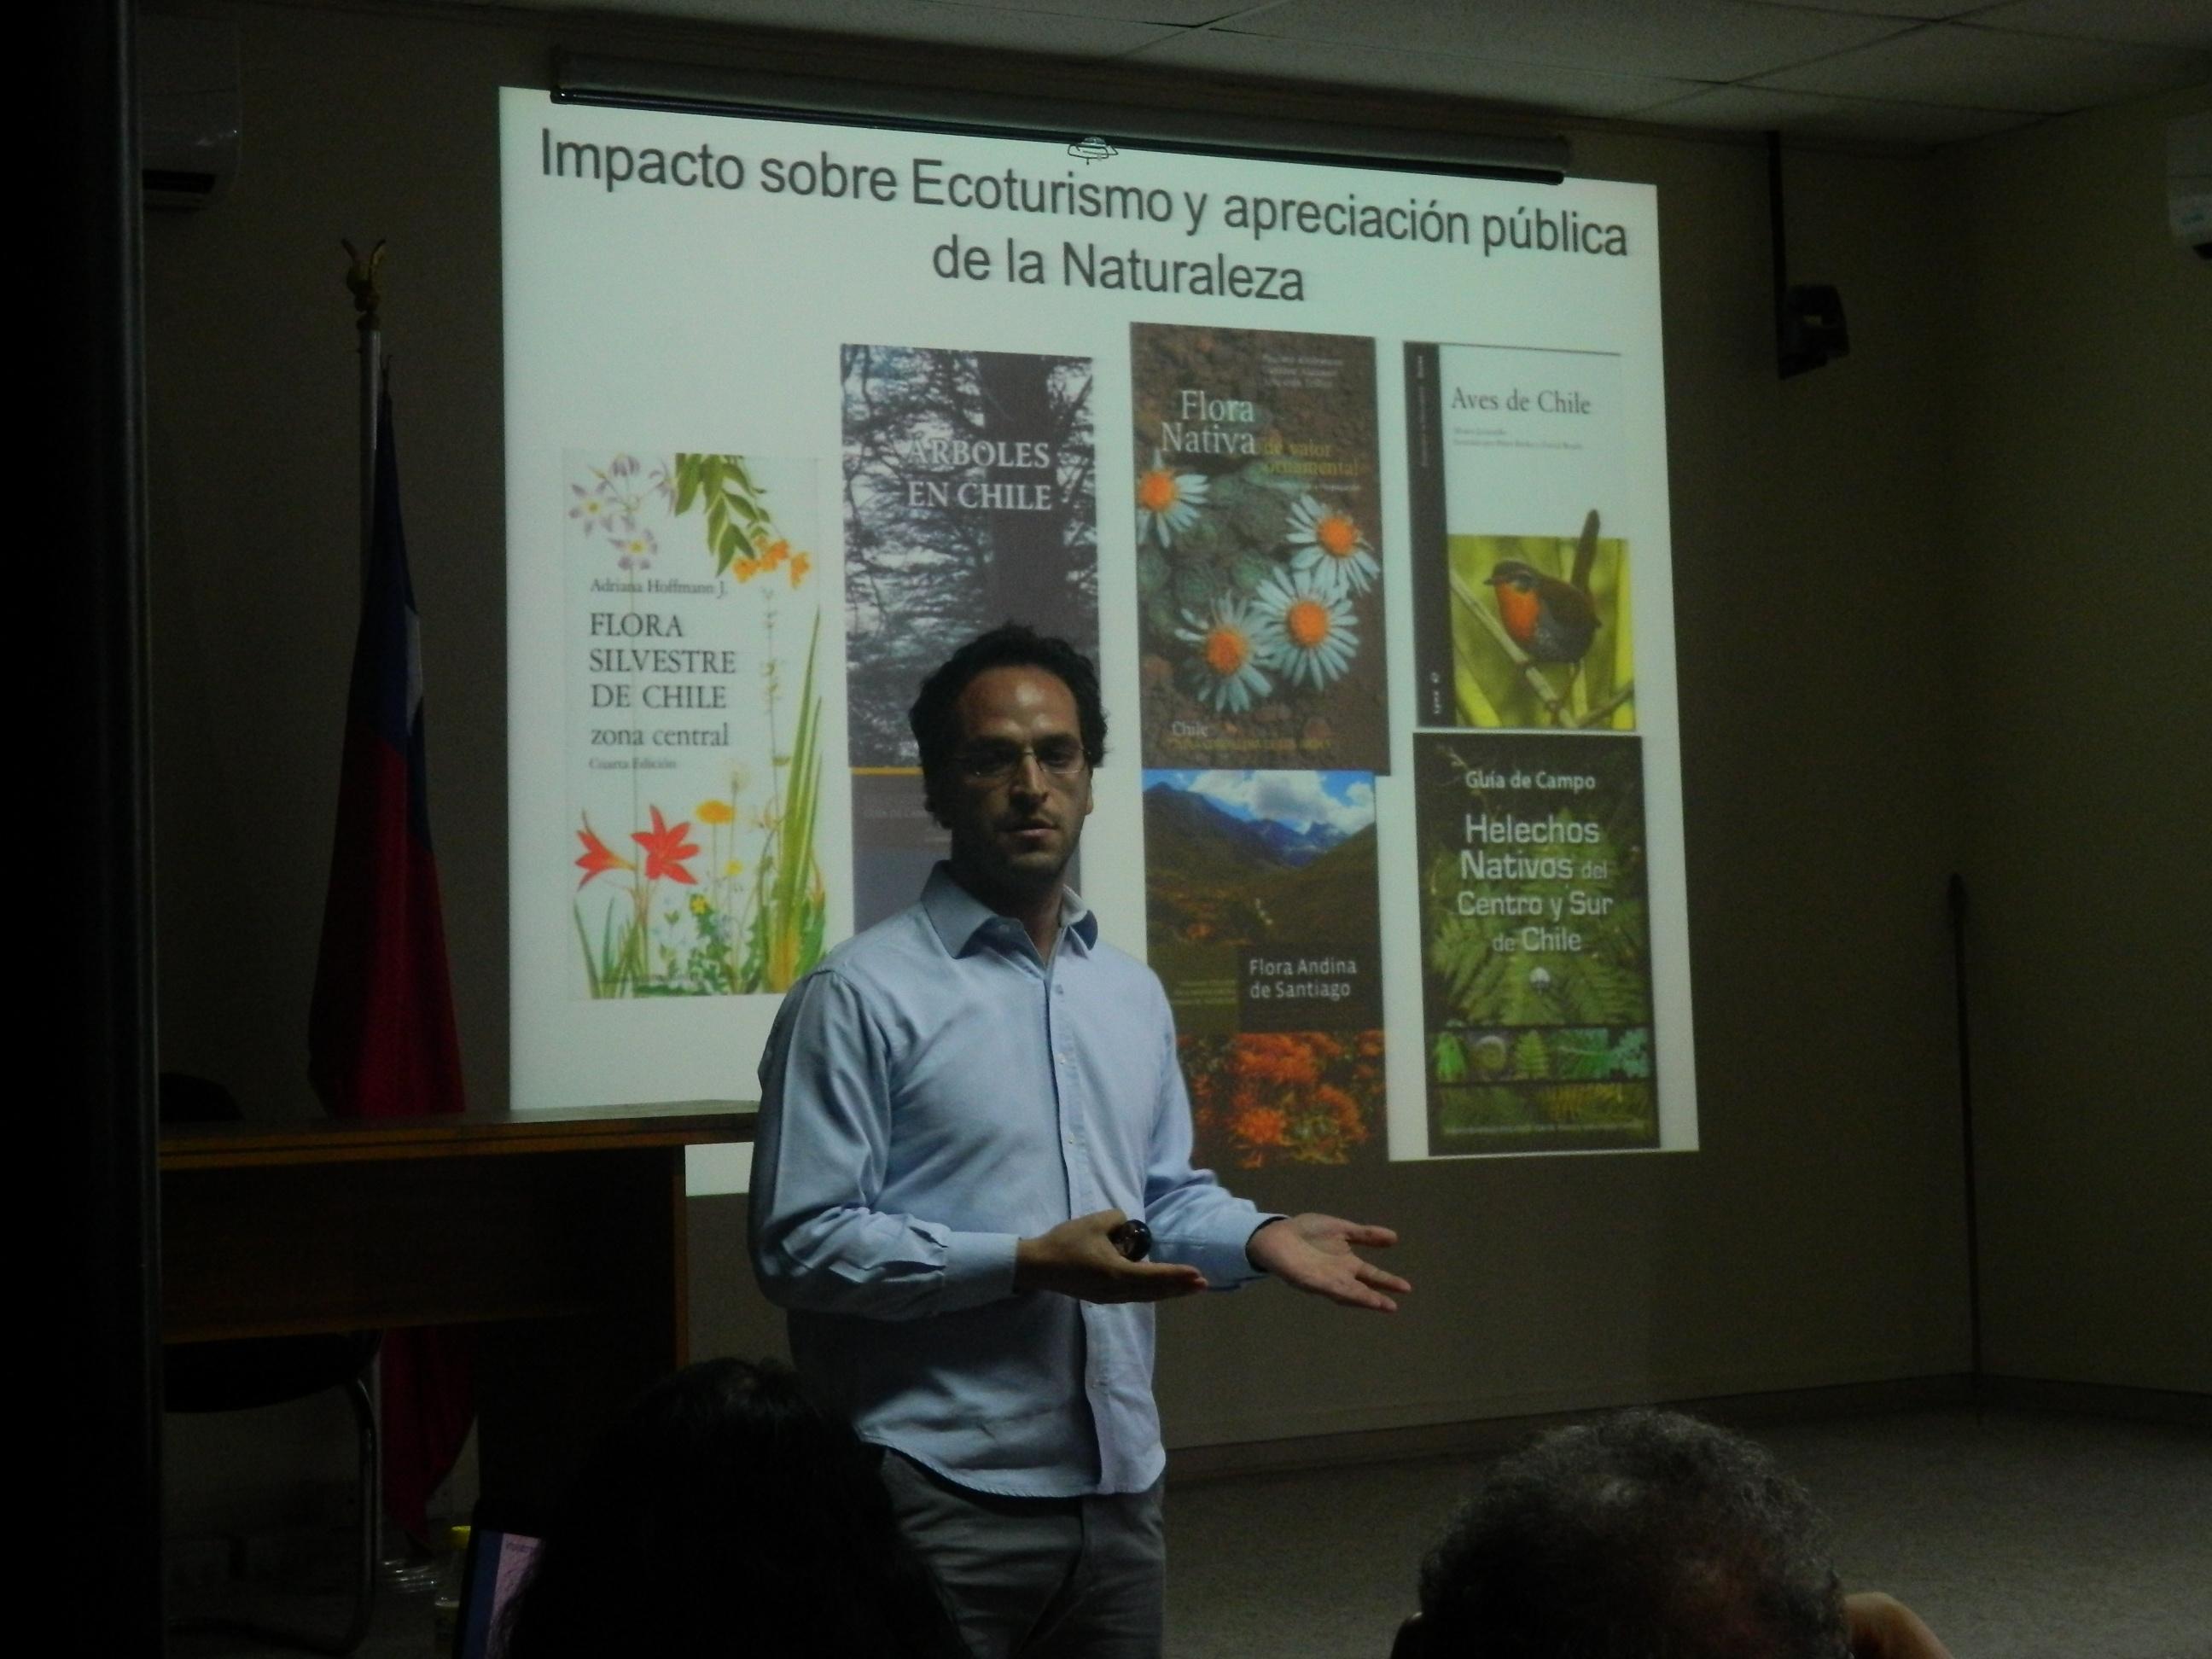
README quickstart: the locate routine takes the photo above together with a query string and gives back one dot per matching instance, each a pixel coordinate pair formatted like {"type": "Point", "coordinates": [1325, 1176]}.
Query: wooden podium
{"type": "Point", "coordinates": [558, 1234]}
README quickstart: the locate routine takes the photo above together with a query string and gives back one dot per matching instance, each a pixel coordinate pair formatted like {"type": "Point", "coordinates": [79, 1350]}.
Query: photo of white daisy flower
{"type": "Point", "coordinates": [1233, 641]}
{"type": "Point", "coordinates": [1167, 501]}
{"type": "Point", "coordinates": [1314, 635]}
{"type": "Point", "coordinates": [1329, 550]}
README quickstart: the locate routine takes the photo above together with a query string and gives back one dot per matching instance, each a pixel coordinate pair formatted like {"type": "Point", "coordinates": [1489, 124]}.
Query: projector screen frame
{"type": "Point", "coordinates": [616, 82]}
{"type": "Point", "coordinates": [602, 99]}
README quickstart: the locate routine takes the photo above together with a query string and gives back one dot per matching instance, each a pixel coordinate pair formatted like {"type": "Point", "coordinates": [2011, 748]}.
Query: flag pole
{"type": "Point", "coordinates": [398, 1568]}
{"type": "Point", "coordinates": [362, 280]}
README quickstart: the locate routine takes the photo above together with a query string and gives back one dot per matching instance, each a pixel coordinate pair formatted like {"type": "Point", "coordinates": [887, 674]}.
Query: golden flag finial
{"type": "Point", "coordinates": [361, 281]}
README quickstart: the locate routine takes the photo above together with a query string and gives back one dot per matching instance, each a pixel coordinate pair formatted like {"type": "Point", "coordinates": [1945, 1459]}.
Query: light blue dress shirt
{"type": "Point", "coordinates": [932, 1093]}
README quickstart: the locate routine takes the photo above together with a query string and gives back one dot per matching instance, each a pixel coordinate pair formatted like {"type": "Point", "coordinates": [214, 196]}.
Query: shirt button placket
{"type": "Point", "coordinates": [1056, 1056]}
{"type": "Point", "coordinates": [1082, 1189]}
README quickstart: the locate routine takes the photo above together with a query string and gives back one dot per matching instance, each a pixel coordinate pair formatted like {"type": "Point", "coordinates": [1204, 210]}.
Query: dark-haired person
{"type": "Point", "coordinates": [726, 1512]}
{"type": "Point", "coordinates": [1646, 1532]}
{"type": "Point", "coordinates": [959, 1109]}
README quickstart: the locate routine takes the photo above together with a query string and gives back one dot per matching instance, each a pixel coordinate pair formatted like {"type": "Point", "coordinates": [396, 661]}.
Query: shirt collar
{"type": "Point", "coordinates": [958, 915]}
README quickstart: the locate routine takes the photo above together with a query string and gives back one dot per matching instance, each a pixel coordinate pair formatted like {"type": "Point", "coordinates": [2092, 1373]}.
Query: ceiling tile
{"type": "Point", "coordinates": [1007, 28]}
{"type": "Point", "coordinates": [1531, 86]}
{"type": "Point", "coordinates": [1992, 68]}
{"type": "Point", "coordinates": [1686, 40]}
{"type": "Point", "coordinates": [1815, 115]}
{"type": "Point", "coordinates": [2138, 22]}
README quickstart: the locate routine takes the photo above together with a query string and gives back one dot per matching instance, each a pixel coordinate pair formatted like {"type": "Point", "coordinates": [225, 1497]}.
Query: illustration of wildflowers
{"type": "Point", "coordinates": [721, 895]}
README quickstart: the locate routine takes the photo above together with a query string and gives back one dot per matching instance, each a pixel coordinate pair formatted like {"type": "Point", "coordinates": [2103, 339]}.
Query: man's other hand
{"type": "Point", "coordinates": [1078, 1258]}
{"type": "Point", "coordinates": [1883, 1628]}
{"type": "Point", "coordinates": [1315, 1253]}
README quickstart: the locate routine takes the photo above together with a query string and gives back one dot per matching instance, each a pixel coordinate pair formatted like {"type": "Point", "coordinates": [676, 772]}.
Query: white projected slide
{"type": "Point", "coordinates": [1353, 480]}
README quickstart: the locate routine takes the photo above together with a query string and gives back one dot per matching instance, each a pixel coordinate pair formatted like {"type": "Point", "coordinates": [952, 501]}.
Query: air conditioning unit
{"type": "Point", "coordinates": [2189, 182]}
{"type": "Point", "coordinates": [188, 115]}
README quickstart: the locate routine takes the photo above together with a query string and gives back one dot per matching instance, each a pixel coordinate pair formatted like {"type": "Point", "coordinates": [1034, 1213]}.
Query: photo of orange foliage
{"type": "Point", "coordinates": [1265, 1097]}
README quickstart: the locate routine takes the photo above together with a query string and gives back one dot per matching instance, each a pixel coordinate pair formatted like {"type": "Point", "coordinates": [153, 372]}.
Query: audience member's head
{"type": "Point", "coordinates": [1646, 1535]}
{"type": "Point", "coordinates": [727, 1513]}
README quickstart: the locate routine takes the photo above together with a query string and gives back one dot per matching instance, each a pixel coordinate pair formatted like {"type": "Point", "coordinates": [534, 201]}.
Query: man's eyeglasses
{"type": "Point", "coordinates": [997, 762]}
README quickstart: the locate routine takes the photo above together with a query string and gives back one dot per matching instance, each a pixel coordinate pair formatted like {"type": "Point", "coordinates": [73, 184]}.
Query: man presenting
{"type": "Point", "coordinates": [960, 1108]}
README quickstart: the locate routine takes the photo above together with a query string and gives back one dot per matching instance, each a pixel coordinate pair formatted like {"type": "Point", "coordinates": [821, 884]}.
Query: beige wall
{"type": "Point", "coordinates": [2081, 538]}
{"type": "Point", "coordinates": [1817, 1238]}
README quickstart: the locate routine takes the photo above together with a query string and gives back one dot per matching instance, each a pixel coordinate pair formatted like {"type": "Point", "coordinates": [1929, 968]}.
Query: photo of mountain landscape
{"type": "Point", "coordinates": [1261, 923]}
{"type": "Point", "coordinates": [1261, 899]}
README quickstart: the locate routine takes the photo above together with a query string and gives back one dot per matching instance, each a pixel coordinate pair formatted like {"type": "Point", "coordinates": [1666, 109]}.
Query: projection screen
{"type": "Point", "coordinates": [1352, 480]}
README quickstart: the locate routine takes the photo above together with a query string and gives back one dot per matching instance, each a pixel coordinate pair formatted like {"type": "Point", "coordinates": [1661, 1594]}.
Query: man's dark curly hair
{"type": "Point", "coordinates": [936, 722]}
{"type": "Point", "coordinates": [1644, 1535]}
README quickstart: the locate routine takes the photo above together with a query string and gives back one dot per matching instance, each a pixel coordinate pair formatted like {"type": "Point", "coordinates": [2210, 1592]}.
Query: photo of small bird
{"type": "Point", "coordinates": [1551, 620]}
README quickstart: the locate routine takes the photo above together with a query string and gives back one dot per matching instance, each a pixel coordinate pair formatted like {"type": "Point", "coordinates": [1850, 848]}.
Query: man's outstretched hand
{"type": "Point", "coordinates": [1079, 1258]}
{"type": "Point", "coordinates": [1315, 1253]}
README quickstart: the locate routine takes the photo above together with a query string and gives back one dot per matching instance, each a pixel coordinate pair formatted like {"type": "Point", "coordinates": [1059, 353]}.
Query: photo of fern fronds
{"type": "Point", "coordinates": [1535, 938]}
{"type": "Point", "coordinates": [1540, 630]}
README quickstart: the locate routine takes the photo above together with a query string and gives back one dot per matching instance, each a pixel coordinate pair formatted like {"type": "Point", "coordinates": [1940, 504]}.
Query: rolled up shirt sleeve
{"type": "Point", "coordinates": [1194, 1219]}
{"type": "Point", "coordinates": [818, 1242]}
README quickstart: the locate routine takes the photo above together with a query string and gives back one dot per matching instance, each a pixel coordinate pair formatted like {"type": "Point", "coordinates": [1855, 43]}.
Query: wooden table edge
{"type": "Point", "coordinates": [467, 1134]}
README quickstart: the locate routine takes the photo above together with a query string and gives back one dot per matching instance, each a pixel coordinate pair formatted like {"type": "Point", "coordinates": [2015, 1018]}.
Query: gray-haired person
{"type": "Point", "coordinates": [1644, 1534]}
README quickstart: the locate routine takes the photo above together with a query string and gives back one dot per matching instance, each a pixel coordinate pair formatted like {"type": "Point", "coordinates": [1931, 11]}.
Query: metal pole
{"type": "Point", "coordinates": [367, 299]}
{"type": "Point", "coordinates": [1781, 252]}
{"type": "Point", "coordinates": [1965, 1033]}
{"type": "Point", "coordinates": [397, 1569]}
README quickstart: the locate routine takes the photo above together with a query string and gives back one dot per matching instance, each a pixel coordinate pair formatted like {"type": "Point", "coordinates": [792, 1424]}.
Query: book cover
{"type": "Point", "coordinates": [1514, 467]}
{"type": "Point", "coordinates": [1261, 923]}
{"type": "Point", "coordinates": [969, 501]}
{"type": "Point", "coordinates": [694, 723]}
{"type": "Point", "coordinates": [1535, 942]}
{"type": "Point", "coordinates": [1260, 550]}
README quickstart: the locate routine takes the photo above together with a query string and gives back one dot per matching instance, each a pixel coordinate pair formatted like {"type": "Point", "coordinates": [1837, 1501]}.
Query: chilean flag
{"type": "Point", "coordinates": [381, 1041]}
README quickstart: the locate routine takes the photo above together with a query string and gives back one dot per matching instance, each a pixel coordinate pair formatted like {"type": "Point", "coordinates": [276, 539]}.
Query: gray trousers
{"type": "Point", "coordinates": [1039, 1577]}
